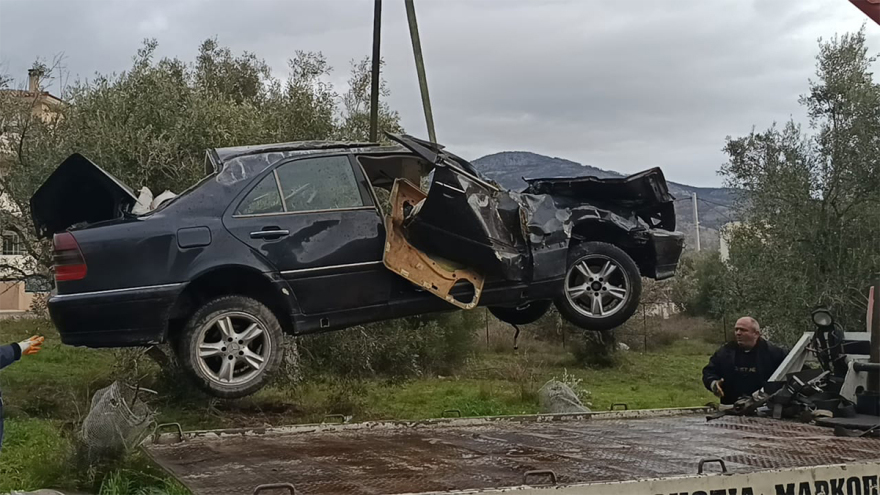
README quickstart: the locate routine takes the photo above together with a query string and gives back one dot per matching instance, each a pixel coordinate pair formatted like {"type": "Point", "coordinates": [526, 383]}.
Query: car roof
{"type": "Point", "coordinates": [223, 155]}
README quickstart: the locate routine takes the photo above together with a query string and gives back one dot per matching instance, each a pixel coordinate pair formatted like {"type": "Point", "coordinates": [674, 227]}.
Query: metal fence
{"type": "Point", "coordinates": [661, 323]}
{"type": "Point", "coordinates": [653, 324]}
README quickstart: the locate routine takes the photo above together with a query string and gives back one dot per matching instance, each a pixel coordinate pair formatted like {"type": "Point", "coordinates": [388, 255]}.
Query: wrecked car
{"type": "Point", "coordinates": [316, 236]}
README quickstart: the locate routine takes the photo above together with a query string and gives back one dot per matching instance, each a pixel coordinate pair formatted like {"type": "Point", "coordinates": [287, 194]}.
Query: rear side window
{"type": "Point", "coordinates": [263, 199]}
{"type": "Point", "coordinates": [325, 183]}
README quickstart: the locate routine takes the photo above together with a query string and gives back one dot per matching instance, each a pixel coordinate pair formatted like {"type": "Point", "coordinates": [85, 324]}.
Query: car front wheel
{"type": "Point", "coordinates": [231, 346]}
{"type": "Point", "coordinates": [602, 286]}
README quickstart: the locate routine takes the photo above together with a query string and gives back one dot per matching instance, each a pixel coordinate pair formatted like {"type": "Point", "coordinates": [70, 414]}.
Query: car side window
{"type": "Point", "coordinates": [325, 183]}
{"type": "Point", "coordinates": [262, 199]}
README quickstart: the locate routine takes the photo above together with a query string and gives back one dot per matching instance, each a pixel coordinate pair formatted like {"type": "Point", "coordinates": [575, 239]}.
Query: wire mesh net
{"type": "Point", "coordinates": [117, 421]}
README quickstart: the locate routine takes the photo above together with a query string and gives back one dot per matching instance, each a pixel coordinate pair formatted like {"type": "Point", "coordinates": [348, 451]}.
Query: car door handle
{"type": "Point", "coordinates": [270, 234]}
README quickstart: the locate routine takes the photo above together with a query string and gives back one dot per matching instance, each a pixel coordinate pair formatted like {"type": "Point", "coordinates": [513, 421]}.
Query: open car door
{"type": "Point", "coordinates": [445, 279]}
{"type": "Point", "coordinates": [464, 218]}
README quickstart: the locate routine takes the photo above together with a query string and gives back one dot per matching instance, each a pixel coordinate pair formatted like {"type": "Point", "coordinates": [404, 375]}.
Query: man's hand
{"type": "Point", "coordinates": [716, 388]}
{"type": "Point", "coordinates": [31, 345]}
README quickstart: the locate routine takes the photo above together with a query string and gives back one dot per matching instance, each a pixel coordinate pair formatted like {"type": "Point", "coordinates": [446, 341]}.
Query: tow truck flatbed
{"type": "Point", "coordinates": [621, 452]}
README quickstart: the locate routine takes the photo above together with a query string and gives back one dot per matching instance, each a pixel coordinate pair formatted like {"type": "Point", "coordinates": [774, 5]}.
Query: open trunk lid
{"type": "Point", "coordinates": [78, 192]}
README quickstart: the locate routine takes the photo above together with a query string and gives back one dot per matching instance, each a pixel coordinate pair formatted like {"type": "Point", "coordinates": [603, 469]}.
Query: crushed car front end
{"type": "Point", "coordinates": [667, 248]}
{"type": "Point", "coordinates": [635, 212]}
{"type": "Point", "coordinates": [589, 240]}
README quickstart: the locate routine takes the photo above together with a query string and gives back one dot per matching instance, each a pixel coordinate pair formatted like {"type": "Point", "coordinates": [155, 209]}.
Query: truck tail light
{"type": "Point", "coordinates": [69, 261]}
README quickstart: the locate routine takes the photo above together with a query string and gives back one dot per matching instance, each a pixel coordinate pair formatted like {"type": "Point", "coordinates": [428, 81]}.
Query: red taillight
{"type": "Point", "coordinates": [69, 261]}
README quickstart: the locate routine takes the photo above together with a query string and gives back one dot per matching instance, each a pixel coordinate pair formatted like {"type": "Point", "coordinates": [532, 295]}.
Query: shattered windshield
{"type": "Point", "coordinates": [243, 167]}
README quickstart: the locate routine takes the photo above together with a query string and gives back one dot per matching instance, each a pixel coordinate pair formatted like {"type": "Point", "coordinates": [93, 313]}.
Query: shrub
{"type": "Point", "coordinates": [698, 287]}
{"type": "Point", "coordinates": [576, 385]}
{"type": "Point", "coordinates": [398, 348]}
{"type": "Point", "coordinates": [523, 372]}
{"type": "Point", "coordinates": [653, 332]}
{"type": "Point", "coordinates": [347, 396]}
{"type": "Point", "coordinates": [550, 328]}
{"type": "Point", "coordinates": [596, 349]}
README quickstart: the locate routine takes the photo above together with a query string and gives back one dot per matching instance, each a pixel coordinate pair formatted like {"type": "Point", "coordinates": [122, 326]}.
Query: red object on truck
{"type": "Point", "coordinates": [871, 8]}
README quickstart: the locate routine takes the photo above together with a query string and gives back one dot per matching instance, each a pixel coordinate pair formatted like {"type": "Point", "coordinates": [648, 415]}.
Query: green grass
{"type": "Point", "coordinates": [492, 384]}
{"type": "Point", "coordinates": [34, 454]}
{"type": "Point", "coordinates": [139, 477]}
{"type": "Point", "coordinates": [47, 395]}
{"type": "Point", "coordinates": [59, 379]}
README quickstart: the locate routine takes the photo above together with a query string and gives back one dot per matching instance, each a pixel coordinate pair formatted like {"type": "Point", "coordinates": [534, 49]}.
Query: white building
{"type": "Point", "coordinates": [18, 295]}
{"type": "Point", "coordinates": [724, 239]}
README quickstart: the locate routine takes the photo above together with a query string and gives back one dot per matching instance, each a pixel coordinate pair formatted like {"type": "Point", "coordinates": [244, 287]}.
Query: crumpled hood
{"type": "Point", "coordinates": [78, 192]}
{"type": "Point", "coordinates": [641, 189]}
{"type": "Point", "coordinates": [646, 194]}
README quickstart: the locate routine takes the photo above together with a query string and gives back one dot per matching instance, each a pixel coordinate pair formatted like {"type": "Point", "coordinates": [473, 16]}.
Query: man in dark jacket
{"type": "Point", "coordinates": [743, 366]}
{"type": "Point", "coordinates": [12, 353]}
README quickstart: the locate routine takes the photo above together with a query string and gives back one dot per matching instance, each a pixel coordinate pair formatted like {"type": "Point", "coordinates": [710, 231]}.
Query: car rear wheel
{"type": "Point", "coordinates": [524, 314]}
{"type": "Point", "coordinates": [231, 346]}
{"type": "Point", "coordinates": [602, 286]}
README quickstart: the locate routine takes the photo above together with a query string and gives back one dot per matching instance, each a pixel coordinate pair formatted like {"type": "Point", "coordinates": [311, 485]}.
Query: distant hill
{"type": "Point", "coordinates": [509, 167]}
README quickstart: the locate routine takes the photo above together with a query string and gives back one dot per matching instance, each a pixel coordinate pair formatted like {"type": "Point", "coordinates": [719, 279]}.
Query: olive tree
{"type": "Point", "coordinates": [29, 140]}
{"type": "Point", "coordinates": [811, 202]}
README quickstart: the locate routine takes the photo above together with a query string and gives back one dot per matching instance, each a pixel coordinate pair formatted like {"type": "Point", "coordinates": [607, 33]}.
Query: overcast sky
{"type": "Point", "coordinates": [619, 85]}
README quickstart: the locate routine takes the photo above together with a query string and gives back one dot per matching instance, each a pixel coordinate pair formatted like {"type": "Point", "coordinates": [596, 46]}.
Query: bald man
{"type": "Point", "coordinates": [743, 366]}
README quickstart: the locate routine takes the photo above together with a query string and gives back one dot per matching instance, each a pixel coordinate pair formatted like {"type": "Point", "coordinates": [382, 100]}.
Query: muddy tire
{"type": "Point", "coordinates": [231, 346]}
{"type": "Point", "coordinates": [602, 286]}
{"type": "Point", "coordinates": [522, 315]}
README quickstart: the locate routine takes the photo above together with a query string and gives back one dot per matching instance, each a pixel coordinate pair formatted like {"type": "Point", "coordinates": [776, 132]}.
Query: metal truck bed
{"type": "Point", "coordinates": [615, 452]}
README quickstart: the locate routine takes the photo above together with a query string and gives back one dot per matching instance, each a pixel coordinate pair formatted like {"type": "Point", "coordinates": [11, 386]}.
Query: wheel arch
{"type": "Point", "coordinates": [228, 280]}
{"type": "Point", "coordinates": [633, 243]}
{"type": "Point", "coordinates": [192, 344]}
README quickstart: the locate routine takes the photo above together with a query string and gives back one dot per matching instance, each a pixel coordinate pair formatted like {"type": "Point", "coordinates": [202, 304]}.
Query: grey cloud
{"type": "Point", "coordinates": [619, 85]}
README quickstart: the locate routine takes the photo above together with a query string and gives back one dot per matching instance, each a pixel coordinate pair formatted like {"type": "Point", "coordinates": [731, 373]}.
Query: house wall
{"type": "Point", "coordinates": [724, 248]}
{"type": "Point", "coordinates": [13, 297]}
{"type": "Point", "coordinates": [663, 310]}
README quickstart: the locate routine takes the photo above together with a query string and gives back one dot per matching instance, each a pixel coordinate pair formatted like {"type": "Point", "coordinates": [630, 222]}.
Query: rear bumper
{"type": "Point", "coordinates": [667, 248]}
{"type": "Point", "coordinates": [114, 318]}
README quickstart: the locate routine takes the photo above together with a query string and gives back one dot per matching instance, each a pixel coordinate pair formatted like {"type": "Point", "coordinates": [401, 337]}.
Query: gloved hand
{"type": "Point", "coordinates": [716, 388]}
{"type": "Point", "coordinates": [31, 345]}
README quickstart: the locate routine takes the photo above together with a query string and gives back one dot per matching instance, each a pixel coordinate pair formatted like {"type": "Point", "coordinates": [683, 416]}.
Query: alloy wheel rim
{"type": "Point", "coordinates": [233, 348]}
{"type": "Point", "coordinates": [596, 286]}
